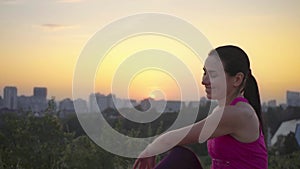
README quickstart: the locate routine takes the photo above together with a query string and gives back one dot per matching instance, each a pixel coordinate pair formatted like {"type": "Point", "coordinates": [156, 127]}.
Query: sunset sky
{"type": "Point", "coordinates": [41, 41]}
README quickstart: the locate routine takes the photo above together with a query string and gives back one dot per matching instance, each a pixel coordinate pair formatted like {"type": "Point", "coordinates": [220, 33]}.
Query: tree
{"type": "Point", "coordinates": [32, 142]}
{"type": "Point", "coordinates": [288, 161]}
{"type": "Point", "coordinates": [286, 144]}
{"type": "Point", "coordinates": [82, 153]}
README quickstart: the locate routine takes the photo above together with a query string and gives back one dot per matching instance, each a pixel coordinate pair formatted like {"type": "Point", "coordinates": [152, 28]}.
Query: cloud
{"type": "Point", "coordinates": [22, 1]}
{"type": "Point", "coordinates": [56, 27]}
{"type": "Point", "coordinates": [11, 1]}
{"type": "Point", "coordinates": [69, 1]}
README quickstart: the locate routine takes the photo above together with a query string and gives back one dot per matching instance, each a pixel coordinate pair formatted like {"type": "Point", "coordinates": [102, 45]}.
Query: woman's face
{"type": "Point", "coordinates": [214, 78]}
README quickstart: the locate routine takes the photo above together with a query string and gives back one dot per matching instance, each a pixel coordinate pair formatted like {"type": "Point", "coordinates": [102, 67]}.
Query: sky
{"type": "Point", "coordinates": [41, 41]}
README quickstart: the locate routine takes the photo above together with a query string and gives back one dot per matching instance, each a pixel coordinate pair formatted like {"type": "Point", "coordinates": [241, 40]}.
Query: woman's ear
{"type": "Point", "coordinates": [238, 79]}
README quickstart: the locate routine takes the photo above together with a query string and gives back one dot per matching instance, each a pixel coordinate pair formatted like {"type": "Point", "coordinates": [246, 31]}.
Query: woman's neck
{"type": "Point", "coordinates": [228, 99]}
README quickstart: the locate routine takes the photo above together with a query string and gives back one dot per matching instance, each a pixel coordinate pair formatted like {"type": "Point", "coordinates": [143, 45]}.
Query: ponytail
{"type": "Point", "coordinates": [251, 93]}
{"type": "Point", "coordinates": [235, 60]}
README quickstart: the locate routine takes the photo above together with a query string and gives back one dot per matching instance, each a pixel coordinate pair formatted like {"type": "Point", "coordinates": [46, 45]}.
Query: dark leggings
{"type": "Point", "coordinates": [179, 158]}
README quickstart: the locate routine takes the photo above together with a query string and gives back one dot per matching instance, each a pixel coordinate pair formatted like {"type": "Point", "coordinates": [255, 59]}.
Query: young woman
{"type": "Point", "coordinates": [233, 129]}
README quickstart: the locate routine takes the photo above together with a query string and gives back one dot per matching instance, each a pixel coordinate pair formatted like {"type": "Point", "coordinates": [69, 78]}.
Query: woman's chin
{"type": "Point", "coordinates": [211, 97]}
{"type": "Point", "coordinates": [208, 96]}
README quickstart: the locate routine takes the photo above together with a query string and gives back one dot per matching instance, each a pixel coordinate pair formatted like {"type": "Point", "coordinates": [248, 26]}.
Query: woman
{"type": "Point", "coordinates": [233, 130]}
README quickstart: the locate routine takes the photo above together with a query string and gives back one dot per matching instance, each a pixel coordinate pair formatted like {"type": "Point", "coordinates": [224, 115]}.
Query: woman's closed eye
{"type": "Point", "coordinates": [213, 74]}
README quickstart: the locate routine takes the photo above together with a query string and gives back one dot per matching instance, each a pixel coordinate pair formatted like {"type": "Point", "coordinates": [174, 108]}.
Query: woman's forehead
{"type": "Point", "coordinates": [213, 63]}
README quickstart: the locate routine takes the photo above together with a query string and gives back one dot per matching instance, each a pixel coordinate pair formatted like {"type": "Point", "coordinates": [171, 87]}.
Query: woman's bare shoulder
{"type": "Point", "coordinates": [240, 108]}
{"type": "Point", "coordinates": [235, 116]}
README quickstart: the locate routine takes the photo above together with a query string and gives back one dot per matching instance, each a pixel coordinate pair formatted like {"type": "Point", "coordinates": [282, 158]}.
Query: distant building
{"type": "Point", "coordinates": [1, 102]}
{"type": "Point", "coordinates": [272, 104]}
{"type": "Point", "coordinates": [199, 103]}
{"type": "Point", "coordinates": [293, 98]}
{"type": "Point", "coordinates": [93, 106]}
{"type": "Point", "coordinates": [66, 107]}
{"type": "Point", "coordinates": [101, 102]}
{"type": "Point", "coordinates": [32, 103]}
{"type": "Point", "coordinates": [40, 92]}
{"type": "Point", "coordinates": [80, 106]}
{"type": "Point", "coordinates": [158, 106]}
{"type": "Point", "coordinates": [173, 106]}
{"type": "Point", "coordinates": [283, 106]}
{"type": "Point", "coordinates": [203, 101]}
{"type": "Point", "coordinates": [161, 106]}
{"type": "Point", "coordinates": [25, 103]}
{"type": "Point", "coordinates": [40, 98]}
{"type": "Point", "coordinates": [10, 98]}
{"type": "Point", "coordinates": [37, 103]}
{"type": "Point", "coordinates": [284, 129]}
{"type": "Point", "coordinates": [110, 100]}
{"type": "Point", "coordinates": [264, 107]}
{"type": "Point", "coordinates": [125, 103]}
{"type": "Point", "coordinates": [195, 104]}
{"type": "Point", "coordinates": [131, 103]}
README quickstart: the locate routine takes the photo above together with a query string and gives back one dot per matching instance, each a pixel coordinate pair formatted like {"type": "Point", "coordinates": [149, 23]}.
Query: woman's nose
{"type": "Point", "coordinates": [205, 79]}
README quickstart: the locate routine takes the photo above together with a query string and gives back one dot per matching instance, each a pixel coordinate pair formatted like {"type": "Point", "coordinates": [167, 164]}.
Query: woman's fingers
{"type": "Point", "coordinates": [153, 162]}
{"type": "Point", "coordinates": [140, 163]}
{"type": "Point", "coordinates": [136, 163]}
{"type": "Point", "coordinates": [144, 163]}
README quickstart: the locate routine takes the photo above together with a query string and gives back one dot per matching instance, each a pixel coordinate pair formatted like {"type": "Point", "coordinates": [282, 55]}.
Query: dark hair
{"type": "Point", "coordinates": [235, 60]}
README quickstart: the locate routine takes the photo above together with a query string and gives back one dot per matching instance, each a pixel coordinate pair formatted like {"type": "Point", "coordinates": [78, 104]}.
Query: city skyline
{"type": "Point", "coordinates": [86, 98]}
{"type": "Point", "coordinates": [41, 41]}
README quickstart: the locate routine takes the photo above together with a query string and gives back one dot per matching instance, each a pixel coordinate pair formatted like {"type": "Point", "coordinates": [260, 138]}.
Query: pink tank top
{"type": "Point", "coordinates": [228, 153]}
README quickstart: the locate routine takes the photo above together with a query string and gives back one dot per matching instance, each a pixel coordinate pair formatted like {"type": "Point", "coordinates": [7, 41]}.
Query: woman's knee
{"type": "Point", "coordinates": [183, 151]}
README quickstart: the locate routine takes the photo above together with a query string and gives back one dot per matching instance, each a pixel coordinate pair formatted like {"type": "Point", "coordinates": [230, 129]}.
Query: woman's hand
{"type": "Point", "coordinates": [145, 160]}
{"type": "Point", "coordinates": [144, 163]}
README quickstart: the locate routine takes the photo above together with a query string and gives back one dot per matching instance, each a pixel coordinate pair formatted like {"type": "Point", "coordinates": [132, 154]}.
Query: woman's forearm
{"type": "Point", "coordinates": [167, 141]}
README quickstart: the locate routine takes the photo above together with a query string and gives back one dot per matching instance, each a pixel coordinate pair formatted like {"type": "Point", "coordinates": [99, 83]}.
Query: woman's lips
{"type": "Point", "coordinates": [208, 89]}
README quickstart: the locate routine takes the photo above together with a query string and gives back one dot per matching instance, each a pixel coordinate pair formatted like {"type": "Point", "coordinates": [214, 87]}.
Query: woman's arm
{"type": "Point", "coordinates": [166, 141]}
{"type": "Point", "coordinates": [220, 122]}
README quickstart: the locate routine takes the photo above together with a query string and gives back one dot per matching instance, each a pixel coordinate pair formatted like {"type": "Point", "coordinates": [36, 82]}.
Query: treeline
{"type": "Point", "coordinates": [48, 142]}
{"type": "Point", "coordinates": [29, 142]}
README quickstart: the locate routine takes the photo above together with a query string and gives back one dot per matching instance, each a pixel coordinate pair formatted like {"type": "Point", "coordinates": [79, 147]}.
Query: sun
{"type": "Point", "coordinates": [152, 96]}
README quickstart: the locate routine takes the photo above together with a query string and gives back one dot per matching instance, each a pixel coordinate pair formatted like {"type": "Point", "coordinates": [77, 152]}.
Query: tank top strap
{"type": "Point", "coordinates": [239, 99]}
